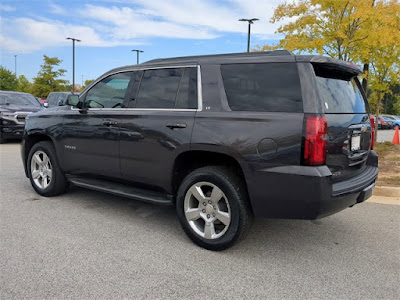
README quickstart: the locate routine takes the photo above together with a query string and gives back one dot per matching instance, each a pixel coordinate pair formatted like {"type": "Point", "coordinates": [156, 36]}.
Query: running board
{"type": "Point", "coordinates": [121, 190]}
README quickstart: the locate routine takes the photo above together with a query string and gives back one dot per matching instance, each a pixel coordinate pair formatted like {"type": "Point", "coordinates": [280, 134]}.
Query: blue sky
{"type": "Point", "coordinates": [109, 29]}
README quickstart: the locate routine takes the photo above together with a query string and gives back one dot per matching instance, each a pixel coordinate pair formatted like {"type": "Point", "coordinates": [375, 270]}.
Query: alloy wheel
{"type": "Point", "coordinates": [207, 210]}
{"type": "Point", "coordinates": [41, 169]}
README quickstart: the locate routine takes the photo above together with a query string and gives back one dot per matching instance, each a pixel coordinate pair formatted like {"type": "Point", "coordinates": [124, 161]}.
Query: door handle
{"type": "Point", "coordinates": [110, 123]}
{"type": "Point", "coordinates": [176, 125]}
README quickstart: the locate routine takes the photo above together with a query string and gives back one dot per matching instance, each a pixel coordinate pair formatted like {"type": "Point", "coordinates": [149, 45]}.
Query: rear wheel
{"type": "Point", "coordinates": [44, 171]}
{"type": "Point", "coordinates": [212, 206]}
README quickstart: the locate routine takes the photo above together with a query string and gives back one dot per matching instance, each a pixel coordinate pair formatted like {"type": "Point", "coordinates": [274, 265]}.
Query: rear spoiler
{"type": "Point", "coordinates": [330, 63]}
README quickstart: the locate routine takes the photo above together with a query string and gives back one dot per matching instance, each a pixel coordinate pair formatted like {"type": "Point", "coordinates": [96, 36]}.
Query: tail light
{"type": "Point", "coordinates": [315, 141]}
{"type": "Point", "coordinates": [372, 120]}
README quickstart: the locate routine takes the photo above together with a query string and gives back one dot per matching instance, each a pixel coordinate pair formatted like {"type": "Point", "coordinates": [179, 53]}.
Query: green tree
{"type": "Point", "coordinates": [8, 80]}
{"type": "Point", "coordinates": [363, 31]}
{"type": "Point", "coordinates": [24, 85]}
{"type": "Point", "coordinates": [86, 83]}
{"type": "Point", "coordinates": [48, 78]}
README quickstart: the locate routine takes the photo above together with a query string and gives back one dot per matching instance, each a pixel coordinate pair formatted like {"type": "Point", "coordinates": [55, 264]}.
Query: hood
{"type": "Point", "coordinates": [14, 108]}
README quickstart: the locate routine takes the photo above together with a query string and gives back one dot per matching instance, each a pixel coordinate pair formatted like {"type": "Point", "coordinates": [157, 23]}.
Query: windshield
{"type": "Point", "coordinates": [18, 99]}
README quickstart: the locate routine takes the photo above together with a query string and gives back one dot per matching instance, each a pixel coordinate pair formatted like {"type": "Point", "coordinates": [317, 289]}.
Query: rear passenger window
{"type": "Point", "coordinates": [187, 94]}
{"type": "Point", "coordinates": [272, 87]}
{"type": "Point", "coordinates": [158, 88]}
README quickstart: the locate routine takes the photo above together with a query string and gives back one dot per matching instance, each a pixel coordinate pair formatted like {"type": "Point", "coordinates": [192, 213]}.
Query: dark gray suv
{"type": "Point", "coordinates": [222, 137]}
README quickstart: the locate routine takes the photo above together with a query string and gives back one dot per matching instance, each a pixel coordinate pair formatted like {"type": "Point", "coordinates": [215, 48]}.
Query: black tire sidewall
{"type": "Point", "coordinates": [232, 195]}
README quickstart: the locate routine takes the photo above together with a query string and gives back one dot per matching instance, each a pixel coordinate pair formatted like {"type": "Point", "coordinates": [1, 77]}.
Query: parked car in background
{"type": "Point", "coordinates": [58, 98]}
{"type": "Point", "coordinates": [382, 123]}
{"type": "Point", "coordinates": [41, 101]}
{"type": "Point", "coordinates": [14, 107]}
{"type": "Point", "coordinates": [392, 120]}
{"type": "Point", "coordinates": [222, 137]}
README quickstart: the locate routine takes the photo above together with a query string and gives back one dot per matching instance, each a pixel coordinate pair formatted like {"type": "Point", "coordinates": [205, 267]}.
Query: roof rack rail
{"type": "Point", "coordinates": [245, 54]}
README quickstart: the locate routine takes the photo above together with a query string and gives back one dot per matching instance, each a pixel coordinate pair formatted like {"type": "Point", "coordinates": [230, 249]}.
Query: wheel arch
{"type": "Point", "coordinates": [190, 160]}
{"type": "Point", "coordinates": [29, 141]}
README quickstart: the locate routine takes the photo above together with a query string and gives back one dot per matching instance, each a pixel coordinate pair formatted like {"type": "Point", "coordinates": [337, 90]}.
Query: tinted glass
{"type": "Point", "coordinates": [137, 76]}
{"type": "Point", "coordinates": [158, 88]}
{"type": "Point", "coordinates": [273, 87]}
{"type": "Point", "coordinates": [109, 92]}
{"type": "Point", "coordinates": [187, 94]}
{"type": "Point", "coordinates": [340, 96]}
{"type": "Point", "coordinates": [62, 97]}
{"type": "Point", "coordinates": [51, 99]}
{"type": "Point", "coordinates": [18, 99]}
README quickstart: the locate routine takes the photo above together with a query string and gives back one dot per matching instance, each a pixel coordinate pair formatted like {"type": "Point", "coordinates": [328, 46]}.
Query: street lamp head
{"type": "Point", "coordinates": [73, 39]}
{"type": "Point", "coordinates": [251, 21]}
{"type": "Point", "coordinates": [137, 50]}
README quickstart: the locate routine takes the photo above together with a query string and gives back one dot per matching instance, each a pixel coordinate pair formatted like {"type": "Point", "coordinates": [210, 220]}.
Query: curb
{"type": "Point", "coordinates": [386, 191]}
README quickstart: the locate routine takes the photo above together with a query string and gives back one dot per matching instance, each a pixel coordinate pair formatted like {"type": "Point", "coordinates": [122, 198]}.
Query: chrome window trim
{"type": "Point", "coordinates": [146, 109]}
{"type": "Point", "coordinates": [199, 90]}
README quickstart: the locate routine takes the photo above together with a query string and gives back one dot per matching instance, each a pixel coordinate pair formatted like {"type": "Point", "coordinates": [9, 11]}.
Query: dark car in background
{"type": "Point", "coordinates": [58, 98]}
{"type": "Point", "coordinates": [14, 107]}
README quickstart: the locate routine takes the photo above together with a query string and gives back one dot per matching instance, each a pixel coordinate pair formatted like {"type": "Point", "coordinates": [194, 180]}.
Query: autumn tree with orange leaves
{"type": "Point", "coordinates": [366, 32]}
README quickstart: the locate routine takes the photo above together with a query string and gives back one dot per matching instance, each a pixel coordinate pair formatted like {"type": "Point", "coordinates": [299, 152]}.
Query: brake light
{"type": "Point", "coordinates": [372, 120]}
{"type": "Point", "coordinates": [315, 141]}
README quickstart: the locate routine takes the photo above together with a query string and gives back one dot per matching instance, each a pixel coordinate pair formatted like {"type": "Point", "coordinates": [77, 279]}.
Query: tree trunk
{"type": "Point", "coordinates": [365, 79]}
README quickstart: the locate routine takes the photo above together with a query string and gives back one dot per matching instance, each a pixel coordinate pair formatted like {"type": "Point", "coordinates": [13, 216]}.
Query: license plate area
{"type": "Point", "coordinates": [355, 143]}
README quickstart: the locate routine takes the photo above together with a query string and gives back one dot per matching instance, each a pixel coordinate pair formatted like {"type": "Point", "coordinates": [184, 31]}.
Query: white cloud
{"type": "Point", "coordinates": [130, 22]}
{"type": "Point", "coordinates": [41, 34]}
{"type": "Point", "coordinates": [7, 8]}
{"type": "Point", "coordinates": [57, 9]}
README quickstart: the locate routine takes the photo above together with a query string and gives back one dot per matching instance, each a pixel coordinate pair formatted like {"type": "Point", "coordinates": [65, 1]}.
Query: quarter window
{"type": "Point", "coordinates": [109, 92]}
{"type": "Point", "coordinates": [272, 87]}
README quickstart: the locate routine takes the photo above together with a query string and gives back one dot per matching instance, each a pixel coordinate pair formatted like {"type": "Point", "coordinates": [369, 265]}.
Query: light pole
{"type": "Point", "coordinates": [73, 61]}
{"type": "Point", "coordinates": [15, 62]}
{"type": "Point", "coordinates": [137, 55]}
{"type": "Point", "coordinates": [251, 21]}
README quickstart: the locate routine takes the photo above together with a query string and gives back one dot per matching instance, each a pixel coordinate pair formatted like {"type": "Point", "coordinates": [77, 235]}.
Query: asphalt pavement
{"type": "Point", "coordinates": [89, 245]}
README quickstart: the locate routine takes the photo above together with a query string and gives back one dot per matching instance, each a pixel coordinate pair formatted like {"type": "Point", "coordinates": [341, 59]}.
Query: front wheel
{"type": "Point", "coordinates": [44, 171]}
{"type": "Point", "coordinates": [213, 208]}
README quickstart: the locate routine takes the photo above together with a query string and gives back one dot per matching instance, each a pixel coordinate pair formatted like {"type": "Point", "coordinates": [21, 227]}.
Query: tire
{"type": "Point", "coordinates": [44, 171]}
{"type": "Point", "coordinates": [226, 216]}
{"type": "Point", "coordinates": [2, 140]}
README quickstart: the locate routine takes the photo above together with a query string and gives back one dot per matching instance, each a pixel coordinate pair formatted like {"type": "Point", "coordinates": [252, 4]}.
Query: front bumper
{"type": "Point", "coordinates": [12, 131]}
{"type": "Point", "coordinates": [300, 192]}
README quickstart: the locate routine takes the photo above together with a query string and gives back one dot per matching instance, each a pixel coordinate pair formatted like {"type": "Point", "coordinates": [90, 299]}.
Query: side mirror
{"type": "Point", "coordinates": [72, 100]}
{"type": "Point", "coordinates": [45, 105]}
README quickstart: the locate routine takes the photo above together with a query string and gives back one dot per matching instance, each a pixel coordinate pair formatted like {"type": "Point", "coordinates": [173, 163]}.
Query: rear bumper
{"type": "Point", "coordinates": [299, 192]}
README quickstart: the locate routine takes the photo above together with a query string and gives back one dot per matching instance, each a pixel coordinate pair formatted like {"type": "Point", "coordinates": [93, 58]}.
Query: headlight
{"type": "Point", "coordinates": [7, 115]}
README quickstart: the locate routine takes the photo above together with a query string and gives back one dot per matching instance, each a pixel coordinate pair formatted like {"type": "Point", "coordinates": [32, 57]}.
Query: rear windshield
{"type": "Point", "coordinates": [340, 95]}
{"type": "Point", "coordinates": [266, 87]}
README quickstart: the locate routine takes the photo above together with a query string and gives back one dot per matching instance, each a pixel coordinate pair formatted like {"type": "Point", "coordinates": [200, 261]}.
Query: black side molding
{"type": "Point", "coordinates": [121, 190]}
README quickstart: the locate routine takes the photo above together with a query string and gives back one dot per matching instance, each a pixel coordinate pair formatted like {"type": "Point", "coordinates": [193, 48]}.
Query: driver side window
{"type": "Point", "coordinates": [109, 92]}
